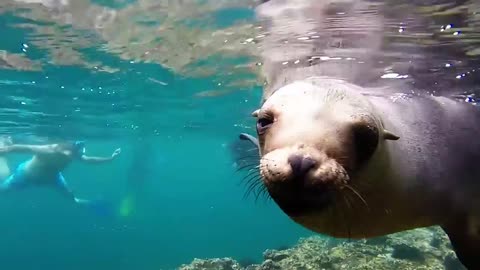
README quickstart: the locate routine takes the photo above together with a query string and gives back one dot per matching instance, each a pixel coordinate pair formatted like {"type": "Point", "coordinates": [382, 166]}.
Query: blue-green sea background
{"type": "Point", "coordinates": [175, 190]}
{"type": "Point", "coordinates": [191, 202]}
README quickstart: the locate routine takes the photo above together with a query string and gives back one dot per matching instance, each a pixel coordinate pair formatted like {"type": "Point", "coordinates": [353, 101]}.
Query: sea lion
{"type": "Point", "coordinates": [344, 162]}
{"type": "Point", "coordinates": [351, 161]}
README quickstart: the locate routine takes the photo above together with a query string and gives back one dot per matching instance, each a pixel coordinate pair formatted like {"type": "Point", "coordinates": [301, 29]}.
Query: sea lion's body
{"type": "Point", "coordinates": [437, 154]}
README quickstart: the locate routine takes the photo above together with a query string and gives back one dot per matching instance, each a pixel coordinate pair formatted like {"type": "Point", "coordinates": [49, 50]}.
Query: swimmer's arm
{"type": "Point", "coordinates": [96, 159]}
{"type": "Point", "coordinates": [25, 148]}
{"type": "Point", "coordinates": [100, 159]}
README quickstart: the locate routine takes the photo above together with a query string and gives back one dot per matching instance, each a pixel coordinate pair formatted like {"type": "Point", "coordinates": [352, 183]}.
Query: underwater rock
{"type": "Point", "coordinates": [212, 264]}
{"type": "Point", "coordinates": [406, 252]}
{"type": "Point", "coordinates": [246, 262]}
{"type": "Point", "coordinates": [266, 265]}
{"type": "Point", "coordinates": [274, 255]}
{"type": "Point", "coordinates": [420, 249]}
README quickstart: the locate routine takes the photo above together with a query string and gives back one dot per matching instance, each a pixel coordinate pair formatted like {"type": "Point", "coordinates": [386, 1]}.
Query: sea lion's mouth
{"type": "Point", "coordinates": [298, 201]}
{"type": "Point", "coordinates": [302, 181]}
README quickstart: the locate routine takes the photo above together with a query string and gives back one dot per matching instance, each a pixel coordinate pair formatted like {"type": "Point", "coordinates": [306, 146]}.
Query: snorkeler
{"type": "Point", "coordinates": [46, 166]}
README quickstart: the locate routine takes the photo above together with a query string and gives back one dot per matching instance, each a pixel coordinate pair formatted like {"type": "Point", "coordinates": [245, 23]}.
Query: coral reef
{"type": "Point", "coordinates": [420, 249]}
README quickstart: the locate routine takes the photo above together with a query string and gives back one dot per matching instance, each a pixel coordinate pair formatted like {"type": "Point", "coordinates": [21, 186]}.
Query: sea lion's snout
{"type": "Point", "coordinates": [301, 182]}
{"type": "Point", "coordinates": [301, 165]}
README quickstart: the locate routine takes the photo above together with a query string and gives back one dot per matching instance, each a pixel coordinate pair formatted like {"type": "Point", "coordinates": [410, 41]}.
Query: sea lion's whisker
{"type": "Point", "coordinates": [351, 201]}
{"type": "Point", "coordinates": [251, 168]}
{"type": "Point", "coordinates": [256, 163]}
{"type": "Point", "coordinates": [257, 188]}
{"type": "Point", "coordinates": [257, 168]}
{"type": "Point", "coordinates": [248, 159]}
{"type": "Point", "coordinates": [357, 194]}
{"type": "Point", "coordinates": [265, 193]}
{"type": "Point", "coordinates": [246, 162]}
{"type": "Point", "coordinates": [247, 166]}
{"type": "Point", "coordinates": [254, 179]}
{"type": "Point", "coordinates": [249, 156]}
{"type": "Point", "coordinates": [252, 183]}
{"type": "Point", "coordinates": [251, 188]}
{"type": "Point", "coordinates": [362, 185]}
{"type": "Point", "coordinates": [250, 171]}
{"type": "Point", "coordinates": [258, 193]}
{"type": "Point", "coordinates": [250, 174]}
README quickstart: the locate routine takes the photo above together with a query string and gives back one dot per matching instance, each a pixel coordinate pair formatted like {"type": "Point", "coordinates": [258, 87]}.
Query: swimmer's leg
{"type": "Point", "coordinates": [99, 206]}
{"type": "Point", "coordinates": [65, 190]}
{"type": "Point", "coordinates": [15, 181]}
{"type": "Point", "coordinates": [7, 184]}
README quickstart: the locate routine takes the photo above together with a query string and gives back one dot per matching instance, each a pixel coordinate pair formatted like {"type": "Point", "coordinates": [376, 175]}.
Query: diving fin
{"type": "Point", "coordinates": [99, 207]}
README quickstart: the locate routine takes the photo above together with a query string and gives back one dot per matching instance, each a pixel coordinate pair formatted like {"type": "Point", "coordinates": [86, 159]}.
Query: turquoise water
{"type": "Point", "coordinates": [110, 73]}
{"type": "Point", "coordinates": [190, 200]}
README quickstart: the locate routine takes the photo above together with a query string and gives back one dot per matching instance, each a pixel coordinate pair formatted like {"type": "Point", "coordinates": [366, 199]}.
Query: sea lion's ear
{"type": "Point", "coordinates": [387, 135]}
{"type": "Point", "coordinates": [255, 113]}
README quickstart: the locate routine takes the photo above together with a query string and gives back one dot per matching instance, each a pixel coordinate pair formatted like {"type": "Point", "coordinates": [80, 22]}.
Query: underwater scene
{"type": "Point", "coordinates": [239, 134]}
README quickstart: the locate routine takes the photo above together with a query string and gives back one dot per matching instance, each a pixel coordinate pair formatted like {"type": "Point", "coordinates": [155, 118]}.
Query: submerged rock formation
{"type": "Point", "coordinates": [218, 264]}
{"type": "Point", "coordinates": [420, 249]}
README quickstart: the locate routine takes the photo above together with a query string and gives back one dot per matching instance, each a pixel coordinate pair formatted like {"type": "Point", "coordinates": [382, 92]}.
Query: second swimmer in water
{"type": "Point", "coordinates": [46, 166]}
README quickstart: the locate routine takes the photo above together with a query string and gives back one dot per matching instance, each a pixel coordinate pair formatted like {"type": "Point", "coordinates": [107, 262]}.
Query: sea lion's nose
{"type": "Point", "coordinates": [300, 164]}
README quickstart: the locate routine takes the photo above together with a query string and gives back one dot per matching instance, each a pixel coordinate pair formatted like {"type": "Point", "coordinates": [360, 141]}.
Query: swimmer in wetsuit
{"type": "Point", "coordinates": [46, 166]}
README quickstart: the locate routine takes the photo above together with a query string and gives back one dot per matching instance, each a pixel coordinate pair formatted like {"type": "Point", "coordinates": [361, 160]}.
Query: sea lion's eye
{"type": "Point", "coordinates": [365, 141]}
{"type": "Point", "coordinates": [263, 124]}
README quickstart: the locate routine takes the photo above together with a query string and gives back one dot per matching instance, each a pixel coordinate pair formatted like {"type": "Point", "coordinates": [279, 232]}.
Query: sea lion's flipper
{"type": "Point", "coordinates": [465, 241]}
{"type": "Point", "coordinates": [248, 137]}
{"type": "Point", "coordinates": [242, 151]}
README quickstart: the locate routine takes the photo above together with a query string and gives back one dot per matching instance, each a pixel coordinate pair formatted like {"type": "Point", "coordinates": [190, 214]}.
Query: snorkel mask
{"type": "Point", "coordinates": [79, 147]}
